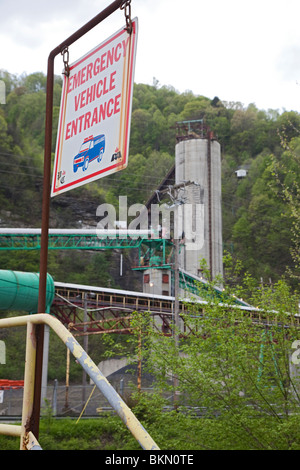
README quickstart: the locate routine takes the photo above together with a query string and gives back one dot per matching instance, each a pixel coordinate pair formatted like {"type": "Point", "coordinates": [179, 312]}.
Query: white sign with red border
{"type": "Point", "coordinates": [95, 113]}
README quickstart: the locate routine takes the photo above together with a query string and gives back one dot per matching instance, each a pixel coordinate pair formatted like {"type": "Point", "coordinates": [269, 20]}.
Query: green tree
{"type": "Point", "coordinates": [286, 186]}
{"type": "Point", "coordinates": [261, 231]}
{"type": "Point", "coordinates": [234, 366]}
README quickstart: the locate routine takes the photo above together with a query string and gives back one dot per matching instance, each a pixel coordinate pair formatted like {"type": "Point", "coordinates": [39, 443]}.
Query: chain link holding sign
{"type": "Point", "coordinates": [65, 54]}
{"type": "Point", "coordinates": [127, 11]}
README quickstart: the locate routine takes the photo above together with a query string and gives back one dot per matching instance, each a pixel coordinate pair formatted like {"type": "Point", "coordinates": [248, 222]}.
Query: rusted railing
{"type": "Point", "coordinates": [27, 439]}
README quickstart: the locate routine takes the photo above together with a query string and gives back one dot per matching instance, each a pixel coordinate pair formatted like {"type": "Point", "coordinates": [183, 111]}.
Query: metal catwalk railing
{"type": "Point", "coordinates": [70, 239]}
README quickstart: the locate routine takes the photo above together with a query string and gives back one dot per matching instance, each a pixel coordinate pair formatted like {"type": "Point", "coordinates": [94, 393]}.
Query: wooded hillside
{"type": "Point", "coordinates": [257, 223]}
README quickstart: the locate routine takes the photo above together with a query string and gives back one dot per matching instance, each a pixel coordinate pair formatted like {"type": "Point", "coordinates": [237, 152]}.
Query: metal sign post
{"type": "Point", "coordinates": [33, 425]}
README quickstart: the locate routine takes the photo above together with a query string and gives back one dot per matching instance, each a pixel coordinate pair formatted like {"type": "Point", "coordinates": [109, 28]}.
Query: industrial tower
{"type": "Point", "coordinates": [198, 160]}
{"type": "Point", "coordinates": [197, 208]}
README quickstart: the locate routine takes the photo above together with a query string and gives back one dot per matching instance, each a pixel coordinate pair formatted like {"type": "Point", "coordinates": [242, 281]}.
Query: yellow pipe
{"type": "Point", "coordinates": [10, 429]}
{"type": "Point", "coordinates": [29, 378]}
{"type": "Point", "coordinates": [32, 443]}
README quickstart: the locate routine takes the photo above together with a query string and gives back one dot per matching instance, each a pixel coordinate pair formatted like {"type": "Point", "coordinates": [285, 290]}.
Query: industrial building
{"type": "Point", "coordinates": [197, 206]}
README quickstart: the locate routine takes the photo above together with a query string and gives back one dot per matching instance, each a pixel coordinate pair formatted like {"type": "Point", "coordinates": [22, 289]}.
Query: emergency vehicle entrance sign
{"type": "Point", "coordinates": [95, 113]}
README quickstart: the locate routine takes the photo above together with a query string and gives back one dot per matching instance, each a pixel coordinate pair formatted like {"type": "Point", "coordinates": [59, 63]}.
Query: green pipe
{"type": "Point", "coordinates": [20, 290]}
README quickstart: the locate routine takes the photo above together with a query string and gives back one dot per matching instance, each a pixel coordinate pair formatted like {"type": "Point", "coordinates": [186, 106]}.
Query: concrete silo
{"type": "Point", "coordinates": [198, 160]}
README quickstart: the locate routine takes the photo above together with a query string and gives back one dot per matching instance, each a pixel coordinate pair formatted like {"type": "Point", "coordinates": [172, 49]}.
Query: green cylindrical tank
{"type": "Point", "coordinates": [20, 291]}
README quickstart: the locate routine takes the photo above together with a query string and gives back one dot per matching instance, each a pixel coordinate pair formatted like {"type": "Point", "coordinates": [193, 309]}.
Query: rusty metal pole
{"type": "Point", "coordinates": [46, 196]}
{"type": "Point", "coordinates": [176, 311]}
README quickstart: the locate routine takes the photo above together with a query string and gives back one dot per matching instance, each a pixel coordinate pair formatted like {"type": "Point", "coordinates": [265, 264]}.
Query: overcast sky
{"type": "Point", "coordinates": [238, 50]}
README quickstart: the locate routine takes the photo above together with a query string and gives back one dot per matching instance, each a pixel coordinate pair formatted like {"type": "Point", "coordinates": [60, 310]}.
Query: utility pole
{"type": "Point", "coordinates": [173, 193]}
{"type": "Point", "coordinates": [176, 313]}
{"type": "Point", "coordinates": [85, 347]}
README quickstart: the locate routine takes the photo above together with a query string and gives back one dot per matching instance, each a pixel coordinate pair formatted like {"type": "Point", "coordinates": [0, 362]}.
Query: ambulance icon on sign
{"type": "Point", "coordinates": [91, 149]}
